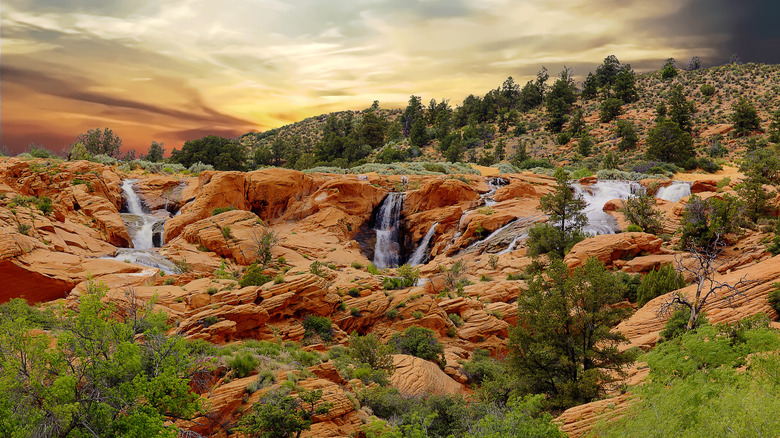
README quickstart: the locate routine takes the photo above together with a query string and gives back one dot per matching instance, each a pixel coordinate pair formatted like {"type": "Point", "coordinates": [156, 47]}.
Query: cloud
{"type": "Point", "coordinates": [170, 67]}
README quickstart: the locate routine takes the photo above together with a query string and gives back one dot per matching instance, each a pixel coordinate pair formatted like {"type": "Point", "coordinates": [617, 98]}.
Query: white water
{"type": "Point", "coordinates": [141, 235]}
{"type": "Point", "coordinates": [141, 226]}
{"type": "Point", "coordinates": [387, 252]}
{"type": "Point", "coordinates": [596, 195]}
{"type": "Point", "coordinates": [421, 252]}
{"type": "Point", "coordinates": [674, 192]}
{"type": "Point", "coordinates": [514, 243]}
{"type": "Point", "coordinates": [493, 184]}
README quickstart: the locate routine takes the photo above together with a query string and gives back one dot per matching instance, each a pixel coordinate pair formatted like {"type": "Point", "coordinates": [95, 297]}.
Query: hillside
{"type": "Point", "coordinates": [711, 122]}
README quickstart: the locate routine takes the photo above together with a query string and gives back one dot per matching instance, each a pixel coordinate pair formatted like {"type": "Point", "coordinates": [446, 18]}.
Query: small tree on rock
{"type": "Point", "coordinates": [564, 226]}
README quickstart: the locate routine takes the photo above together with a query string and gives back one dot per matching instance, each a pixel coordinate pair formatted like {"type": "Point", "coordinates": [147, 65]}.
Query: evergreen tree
{"type": "Point", "coordinates": [745, 118]}
{"type": "Point", "coordinates": [610, 108]}
{"type": "Point", "coordinates": [156, 152]}
{"type": "Point", "coordinates": [563, 345]}
{"type": "Point", "coordinates": [559, 101]}
{"type": "Point", "coordinates": [667, 142]}
{"type": "Point", "coordinates": [627, 133]}
{"type": "Point", "coordinates": [680, 109]}
{"type": "Point", "coordinates": [563, 229]}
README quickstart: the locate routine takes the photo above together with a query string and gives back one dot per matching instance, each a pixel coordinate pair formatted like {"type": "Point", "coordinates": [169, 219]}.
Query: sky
{"type": "Point", "coordinates": [173, 70]}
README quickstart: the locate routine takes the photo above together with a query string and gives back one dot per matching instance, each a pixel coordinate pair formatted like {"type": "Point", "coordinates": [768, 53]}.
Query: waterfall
{"type": "Point", "coordinates": [141, 224]}
{"type": "Point", "coordinates": [596, 196]}
{"type": "Point", "coordinates": [421, 252]}
{"type": "Point", "coordinates": [145, 231]}
{"type": "Point", "coordinates": [387, 252]}
{"type": "Point", "coordinates": [674, 192]}
{"type": "Point", "coordinates": [493, 184]}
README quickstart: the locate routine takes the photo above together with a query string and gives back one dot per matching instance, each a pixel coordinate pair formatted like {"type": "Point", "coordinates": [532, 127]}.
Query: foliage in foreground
{"type": "Point", "coordinates": [563, 345]}
{"type": "Point", "coordinates": [696, 388]}
{"type": "Point", "coordinates": [98, 378]}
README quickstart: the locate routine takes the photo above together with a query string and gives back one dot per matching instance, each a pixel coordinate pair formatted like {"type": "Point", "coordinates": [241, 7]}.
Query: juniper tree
{"type": "Point", "coordinates": [566, 220]}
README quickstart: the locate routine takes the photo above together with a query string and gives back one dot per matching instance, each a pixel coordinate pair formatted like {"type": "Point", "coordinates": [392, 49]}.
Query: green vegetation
{"type": "Point", "coordinates": [319, 325]}
{"type": "Point", "coordinates": [639, 209]}
{"type": "Point", "coordinates": [564, 228]}
{"type": "Point", "coordinates": [659, 282]}
{"type": "Point", "coordinates": [420, 342]}
{"type": "Point", "coordinates": [697, 386]}
{"type": "Point", "coordinates": [571, 356]}
{"type": "Point", "coordinates": [90, 375]}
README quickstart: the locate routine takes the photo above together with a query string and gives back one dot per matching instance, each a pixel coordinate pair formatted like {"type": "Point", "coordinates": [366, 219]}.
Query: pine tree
{"type": "Point", "coordinates": [562, 345]}
{"type": "Point", "coordinates": [564, 226]}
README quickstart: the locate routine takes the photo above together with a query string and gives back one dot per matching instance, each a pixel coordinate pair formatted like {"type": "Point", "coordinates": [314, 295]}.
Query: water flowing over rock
{"type": "Point", "coordinates": [596, 196]}
{"type": "Point", "coordinates": [420, 254]}
{"type": "Point", "coordinates": [674, 192]}
{"type": "Point", "coordinates": [146, 230]}
{"type": "Point", "coordinates": [387, 252]}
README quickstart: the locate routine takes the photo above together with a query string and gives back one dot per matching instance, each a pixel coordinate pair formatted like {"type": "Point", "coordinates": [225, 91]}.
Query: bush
{"type": "Point", "coordinates": [659, 282]}
{"type": "Point", "coordinates": [197, 168]}
{"type": "Point", "coordinates": [676, 324]}
{"type": "Point", "coordinates": [419, 342]}
{"type": "Point", "coordinates": [610, 109]}
{"type": "Point", "coordinates": [103, 159]}
{"type": "Point", "coordinates": [254, 276]}
{"type": "Point", "coordinates": [640, 211]}
{"type": "Point", "coordinates": [392, 313]}
{"type": "Point", "coordinates": [633, 228]}
{"type": "Point", "coordinates": [774, 297]}
{"type": "Point", "coordinates": [708, 165]}
{"type": "Point", "coordinates": [220, 210]}
{"type": "Point", "coordinates": [243, 364]}
{"type": "Point", "coordinates": [320, 325]}
{"type": "Point", "coordinates": [707, 90]}
{"type": "Point", "coordinates": [563, 137]}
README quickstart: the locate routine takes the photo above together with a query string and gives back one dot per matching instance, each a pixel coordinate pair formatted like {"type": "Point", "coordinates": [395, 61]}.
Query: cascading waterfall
{"type": "Point", "coordinates": [596, 195]}
{"type": "Point", "coordinates": [421, 252]}
{"type": "Point", "coordinates": [142, 224]}
{"type": "Point", "coordinates": [387, 252]}
{"type": "Point", "coordinates": [144, 229]}
{"type": "Point", "coordinates": [674, 192]}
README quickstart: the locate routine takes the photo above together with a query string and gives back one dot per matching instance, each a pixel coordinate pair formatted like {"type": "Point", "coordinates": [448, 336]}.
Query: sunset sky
{"type": "Point", "coordinates": [175, 70]}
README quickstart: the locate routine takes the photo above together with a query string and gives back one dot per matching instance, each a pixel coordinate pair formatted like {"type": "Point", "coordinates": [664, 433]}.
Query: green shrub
{"type": "Point", "coordinates": [417, 314]}
{"type": "Point", "coordinates": [354, 311]}
{"type": "Point", "coordinates": [243, 364]}
{"type": "Point", "coordinates": [373, 270]}
{"type": "Point", "coordinates": [211, 291]}
{"type": "Point", "coordinates": [707, 90]}
{"type": "Point", "coordinates": [392, 313]}
{"type": "Point", "coordinates": [316, 269]}
{"type": "Point", "coordinates": [659, 282]}
{"type": "Point", "coordinates": [633, 228]}
{"type": "Point", "coordinates": [226, 232]}
{"type": "Point", "coordinates": [253, 276]}
{"type": "Point", "coordinates": [676, 325]}
{"type": "Point", "coordinates": [320, 325]}
{"type": "Point", "coordinates": [563, 137]}
{"type": "Point", "coordinates": [354, 292]}
{"type": "Point", "coordinates": [419, 342]}
{"type": "Point", "coordinates": [357, 265]}
{"type": "Point", "coordinates": [220, 210]}
{"type": "Point", "coordinates": [23, 228]}
{"type": "Point", "coordinates": [456, 319]}
{"type": "Point", "coordinates": [774, 297]}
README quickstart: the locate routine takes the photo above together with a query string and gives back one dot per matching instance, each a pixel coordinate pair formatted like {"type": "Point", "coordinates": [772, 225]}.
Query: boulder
{"type": "Point", "coordinates": [611, 247]}
{"type": "Point", "coordinates": [439, 193]}
{"type": "Point", "coordinates": [516, 189]}
{"type": "Point", "coordinates": [415, 377]}
{"type": "Point", "coordinates": [215, 190]}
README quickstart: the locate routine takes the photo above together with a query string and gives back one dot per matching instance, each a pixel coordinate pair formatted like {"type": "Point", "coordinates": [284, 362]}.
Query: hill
{"type": "Point", "coordinates": [482, 126]}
